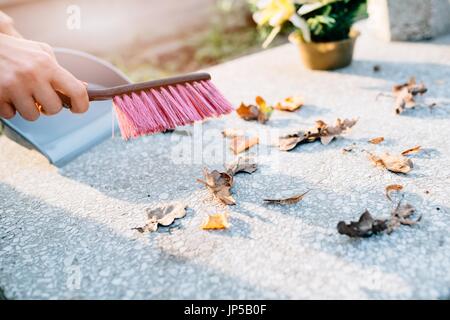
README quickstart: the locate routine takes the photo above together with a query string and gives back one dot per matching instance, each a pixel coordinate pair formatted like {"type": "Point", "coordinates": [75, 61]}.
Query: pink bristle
{"type": "Point", "coordinates": [126, 127]}
{"type": "Point", "coordinates": [179, 109]}
{"type": "Point", "coordinates": [204, 113]}
{"type": "Point", "coordinates": [223, 103]}
{"type": "Point", "coordinates": [157, 116]}
{"type": "Point", "coordinates": [173, 120]}
{"type": "Point", "coordinates": [214, 100]}
{"type": "Point", "coordinates": [189, 108]}
{"type": "Point", "coordinates": [157, 110]}
{"type": "Point", "coordinates": [201, 100]}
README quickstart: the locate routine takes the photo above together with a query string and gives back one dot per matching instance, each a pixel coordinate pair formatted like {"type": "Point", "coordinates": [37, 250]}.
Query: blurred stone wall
{"type": "Point", "coordinates": [409, 19]}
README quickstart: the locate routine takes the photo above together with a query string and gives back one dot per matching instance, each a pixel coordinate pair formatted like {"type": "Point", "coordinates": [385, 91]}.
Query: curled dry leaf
{"type": "Point", "coordinates": [288, 201]}
{"type": "Point", "coordinates": [321, 131]}
{"type": "Point", "coordinates": [406, 93]}
{"type": "Point", "coordinates": [220, 184]}
{"type": "Point", "coordinates": [164, 216]}
{"type": "Point", "coordinates": [365, 227]}
{"type": "Point", "coordinates": [416, 149]}
{"type": "Point", "coordinates": [260, 112]}
{"type": "Point", "coordinates": [242, 164]}
{"type": "Point", "coordinates": [401, 216]}
{"type": "Point", "coordinates": [377, 140]}
{"type": "Point", "coordinates": [290, 103]}
{"type": "Point", "coordinates": [248, 112]}
{"type": "Point", "coordinates": [242, 143]}
{"type": "Point", "coordinates": [396, 164]}
{"type": "Point", "coordinates": [216, 222]}
{"type": "Point", "coordinates": [392, 188]}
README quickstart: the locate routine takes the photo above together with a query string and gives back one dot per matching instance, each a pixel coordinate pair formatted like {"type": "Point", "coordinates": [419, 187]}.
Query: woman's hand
{"type": "Point", "coordinates": [30, 78]}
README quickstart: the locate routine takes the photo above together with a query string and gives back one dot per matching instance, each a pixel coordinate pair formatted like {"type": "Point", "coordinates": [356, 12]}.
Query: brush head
{"type": "Point", "coordinates": [168, 106]}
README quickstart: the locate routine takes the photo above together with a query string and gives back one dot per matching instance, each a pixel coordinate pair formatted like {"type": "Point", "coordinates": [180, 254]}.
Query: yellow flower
{"type": "Point", "coordinates": [274, 12]}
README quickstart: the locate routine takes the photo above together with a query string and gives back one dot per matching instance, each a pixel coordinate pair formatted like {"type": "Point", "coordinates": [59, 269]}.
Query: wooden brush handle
{"type": "Point", "coordinates": [109, 93]}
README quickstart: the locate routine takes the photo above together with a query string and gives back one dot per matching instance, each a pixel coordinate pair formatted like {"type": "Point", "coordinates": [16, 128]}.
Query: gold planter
{"type": "Point", "coordinates": [328, 55]}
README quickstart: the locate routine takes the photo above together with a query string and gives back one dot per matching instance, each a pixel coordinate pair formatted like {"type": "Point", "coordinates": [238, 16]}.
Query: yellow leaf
{"type": "Point", "coordinates": [290, 103]}
{"type": "Point", "coordinates": [216, 222]}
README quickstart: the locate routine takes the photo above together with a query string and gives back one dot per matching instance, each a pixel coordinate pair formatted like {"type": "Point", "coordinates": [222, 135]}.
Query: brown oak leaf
{"type": "Point", "coordinates": [220, 184]}
{"type": "Point", "coordinates": [393, 163]}
{"type": "Point", "coordinates": [321, 131]}
{"type": "Point", "coordinates": [365, 227]}
{"type": "Point", "coordinates": [242, 164]}
{"type": "Point", "coordinates": [260, 112]}
{"type": "Point", "coordinates": [405, 94]}
{"type": "Point", "coordinates": [164, 216]}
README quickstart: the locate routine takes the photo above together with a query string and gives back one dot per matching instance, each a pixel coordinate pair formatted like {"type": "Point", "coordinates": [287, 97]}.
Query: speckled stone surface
{"type": "Point", "coordinates": [67, 234]}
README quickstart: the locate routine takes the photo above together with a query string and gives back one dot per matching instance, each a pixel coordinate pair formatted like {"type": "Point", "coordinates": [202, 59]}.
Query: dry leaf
{"type": "Point", "coordinates": [216, 222]}
{"type": "Point", "coordinates": [219, 183]}
{"type": "Point", "coordinates": [405, 94]}
{"type": "Point", "coordinates": [241, 144]}
{"type": "Point", "coordinates": [392, 188]}
{"type": "Point", "coordinates": [242, 164]}
{"type": "Point", "coordinates": [260, 112]}
{"type": "Point", "coordinates": [396, 164]}
{"type": "Point", "coordinates": [290, 104]}
{"type": "Point", "coordinates": [365, 227]}
{"type": "Point", "coordinates": [377, 140]}
{"type": "Point", "coordinates": [231, 133]}
{"type": "Point", "coordinates": [401, 216]}
{"type": "Point", "coordinates": [248, 112]}
{"type": "Point", "coordinates": [288, 201]}
{"type": "Point", "coordinates": [412, 150]}
{"type": "Point", "coordinates": [289, 142]}
{"type": "Point", "coordinates": [164, 216]}
{"type": "Point", "coordinates": [321, 131]}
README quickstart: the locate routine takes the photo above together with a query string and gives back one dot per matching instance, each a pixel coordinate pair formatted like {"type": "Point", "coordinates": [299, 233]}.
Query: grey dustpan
{"type": "Point", "coordinates": [63, 137]}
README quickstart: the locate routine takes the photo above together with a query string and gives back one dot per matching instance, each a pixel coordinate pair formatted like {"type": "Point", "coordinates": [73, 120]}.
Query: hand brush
{"type": "Point", "coordinates": [160, 105]}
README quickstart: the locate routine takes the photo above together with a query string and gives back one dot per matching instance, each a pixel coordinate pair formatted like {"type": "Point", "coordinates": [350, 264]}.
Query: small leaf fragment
{"type": "Point", "coordinates": [365, 227]}
{"type": "Point", "coordinates": [288, 201]}
{"type": "Point", "coordinates": [415, 149]}
{"type": "Point", "coordinates": [401, 216]}
{"type": "Point", "coordinates": [240, 144]}
{"type": "Point", "coordinates": [164, 216]}
{"type": "Point", "coordinates": [377, 140]}
{"type": "Point", "coordinates": [216, 222]}
{"type": "Point", "coordinates": [392, 188]}
{"type": "Point", "coordinates": [290, 104]}
{"type": "Point", "coordinates": [231, 133]}
{"type": "Point", "coordinates": [242, 164]}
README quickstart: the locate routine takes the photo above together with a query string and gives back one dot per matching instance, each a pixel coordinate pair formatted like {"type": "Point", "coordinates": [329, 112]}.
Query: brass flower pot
{"type": "Point", "coordinates": [328, 55]}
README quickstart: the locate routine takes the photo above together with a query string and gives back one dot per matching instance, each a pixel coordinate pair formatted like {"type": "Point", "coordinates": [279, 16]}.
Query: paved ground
{"type": "Point", "coordinates": [67, 233]}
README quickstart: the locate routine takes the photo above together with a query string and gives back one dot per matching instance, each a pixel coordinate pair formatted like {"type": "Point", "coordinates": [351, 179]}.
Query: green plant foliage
{"type": "Point", "coordinates": [332, 22]}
